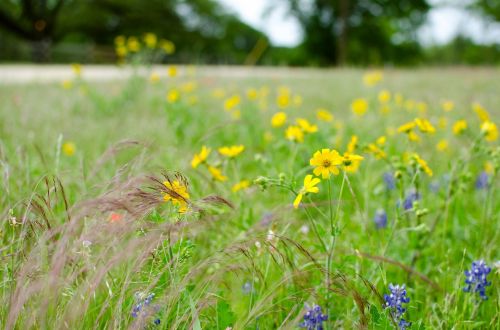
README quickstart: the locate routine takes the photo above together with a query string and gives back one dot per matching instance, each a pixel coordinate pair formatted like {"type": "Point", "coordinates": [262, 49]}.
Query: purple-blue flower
{"type": "Point", "coordinates": [143, 307]}
{"type": "Point", "coordinates": [476, 278]}
{"type": "Point", "coordinates": [394, 301]}
{"type": "Point", "coordinates": [313, 318]}
{"type": "Point", "coordinates": [482, 180]}
{"type": "Point", "coordinates": [380, 219]}
{"type": "Point", "coordinates": [411, 197]}
{"type": "Point", "coordinates": [390, 182]}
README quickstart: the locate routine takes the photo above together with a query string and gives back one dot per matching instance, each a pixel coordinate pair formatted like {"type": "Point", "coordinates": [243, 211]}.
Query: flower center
{"type": "Point", "coordinates": [327, 163]}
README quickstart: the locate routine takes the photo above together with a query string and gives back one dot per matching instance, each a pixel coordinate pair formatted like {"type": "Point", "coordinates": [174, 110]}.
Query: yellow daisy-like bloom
{"type": "Point", "coordinates": [77, 69]}
{"type": "Point", "coordinates": [326, 162]}
{"type": "Point", "coordinates": [423, 164]}
{"type": "Point", "coordinates": [459, 127]}
{"type": "Point", "coordinates": [490, 131]}
{"type": "Point", "coordinates": [489, 168]}
{"type": "Point", "coordinates": [447, 105]}
{"type": "Point", "coordinates": [376, 151]}
{"type": "Point", "coordinates": [424, 125]}
{"type": "Point", "coordinates": [150, 40]}
{"type": "Point", "coordinates": [283, 100]}
{"type": "Point", "coordinates": [201, 157]}
{"type": "Point", "coordinates": [309, 187]}
{"type": "Point", "coordinates": [324, 115]}
{"type": "Point", "coordinates": [381, 140]}
{"type": "Point", "coordinates": [351, 162]}
{"type": "Point", "coordinates": [412, 136]}
{"type": "Point", "coordinates": [133, 45]}
{"type": "Point", "coordinates": [154, 78]}
{"type": "Point", "coordinates": [69, 148]}
{"type": "Point", "coordinates": [481, 112]}
{"type": "Point", "coordinates": [252, 94]}
{"type": "Point", "coordinates": [232, 102]}
{"type": "Point", "coordinates": [442, 145]}
{"type": "Point", "coordinates": [306, 126]}
{"type": "Point", "coordinates": [443, 122]}
{"type": "Point", "coordinates": [294, 133]}
{"type": "Point", "coordinates": [173, 96]}
{"type": "Point", "coordinates": [359, 106]}
{"type": "Point", "coordinates": [172, 71]}
{"type": "Point", "coordinates": [407, 128]}
{"type": "Point", "coordinates": [279, 119]}
{"type": "Point", "coordinates": [177, 193]}
{"type": "Point", "coordinates": [243, 184]}
{"type": "Point", "coordinates": [67, 84]}
{"type": "Point", "coordinates": [167, 46]}
{"type": "Point", "coordinates": [371, 79]}
{"type": "Point", "coordinates": [231, 151]}
{"type": "Point", "coordinates": [297, 100]}
{"type": "Point", "coordinates": [384, 96]}
{"type": "Point", "coordinates": [216, 173]}
{"type": "Point", "coordinates": [353, 144]}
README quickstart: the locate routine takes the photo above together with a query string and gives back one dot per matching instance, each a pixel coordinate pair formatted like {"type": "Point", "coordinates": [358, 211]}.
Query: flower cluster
{"type": "Point", "coordinates": [394, 301]}
{"type": "Point", "coordinates": [314, 318]}
{"type": "Point", "coordinates": [476, 278]}
{"type": "Point", "coordinates": [143, 308]}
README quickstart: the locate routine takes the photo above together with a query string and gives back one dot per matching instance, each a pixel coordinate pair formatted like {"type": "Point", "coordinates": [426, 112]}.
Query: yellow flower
{"type": "Point", "coordinates": [173, 96]}
{"type": "Point", "coordinates": [407, 128]}
{"type": "Point", "coordinates": [325, 162]}
{"type": "Point", "coordinates": [481, 112]}
{"type": "Point", "coordinates": [423, 164]}
{"type": "Point", "coordinates": [381, 140]}
{"type": "Point", "coordinates": [490, 130]}
{"type": "Point", "coordinates": [459, 127]}
{"type": "Point", "coordinates": [232, 102]}
{"type": "Point", "coordinates": [489, 168]}
{"type": "Point", "coordinates": [154, 77]}
{"type": "Point", "coordinates": [77, 69]}
{"type": "Point", "coordinates": [412, 136]}
{"type": "Point", "coordinates": [243, 184]}
{"type": "Point", "coordinates": [372, 78]}
{"type": "Point", "coordinates": [442, 145]}
{"type": "Point", "coordinates": [359, 106]}
{"type": "Point", "coordinates": [351, 162]}
{"type": "Point", "coordinates": [150, 40]}
{"type": "Point", "coordinates": [218, 93]}
{"type": "Point", "coordinates": [353, 144]}
{"type": "Point", "coordinates": [172, 71]}
{"type": "Point", "coordinates": [384, 96]}
{"type": "Point", "coordinates": [216, 173]}
{"type": "Point", "coordinates": [133, 45]}
{"type": "Point", "coordinates": [67, 84]}
{"type": "Point", "coordinates": [297, 100]}
{"type": "Point", "coordinates": [283, 100]}
{"type": "Point", "coordinates": [177, 193]}
{"type": "Point", "coordinates": [424, 125]}
{"type": "Point", "coordinates": [306, 126]}
{"type": "Point", "coordinates": [443, 122]}
{"type": "Point", "coordinates": [294, 133]}
{"type": "Point", "coordinates": [447, 105]}
{"type": "Point", "coordinates": [309, 187]}
{"type": "Point", "coordinates": [231, 151]}
{"type": "Point", "coordinates": [120, 40]}
{"type": "Point", "coordinates": [376, 151]}
{"type": "Point", "coordinates": [399, 99]}
{"type": "Point", "coordinates": [201, 157]}
{"type": "Point", "coordinates": [252, 94]}
{"type": "Point", "coordinates": [278, 119]}
{"type": "Point", "coordinates": [324, 115]}
{"type": "Point", "coordinates": [69, 148]}
{"type": "Point", "coordinates": [167, 46]}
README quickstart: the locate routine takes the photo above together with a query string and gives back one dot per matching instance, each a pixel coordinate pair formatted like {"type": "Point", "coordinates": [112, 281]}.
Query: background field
{"type": "Point", "coordinates": [203, 266]}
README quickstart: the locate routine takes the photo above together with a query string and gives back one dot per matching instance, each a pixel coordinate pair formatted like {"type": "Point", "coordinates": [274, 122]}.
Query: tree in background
{"type": "Point", "coordinates": [490, 8]}
{"type": "Point", "coordinates": [360, 31]}
{"type": "Point", "coordinates": [201, 29]}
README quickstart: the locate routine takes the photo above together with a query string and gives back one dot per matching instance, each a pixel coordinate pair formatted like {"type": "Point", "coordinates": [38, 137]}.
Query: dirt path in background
{"type": "Point", "coordinates": [22, 74]}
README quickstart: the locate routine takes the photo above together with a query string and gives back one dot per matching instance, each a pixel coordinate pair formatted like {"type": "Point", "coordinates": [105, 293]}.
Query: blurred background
{"type": "Point", "coordinates": [253, 32]}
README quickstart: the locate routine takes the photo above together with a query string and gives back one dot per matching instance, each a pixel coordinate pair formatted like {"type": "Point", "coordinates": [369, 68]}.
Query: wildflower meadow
{"type": "Point", "coordinates": [184, 197]}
